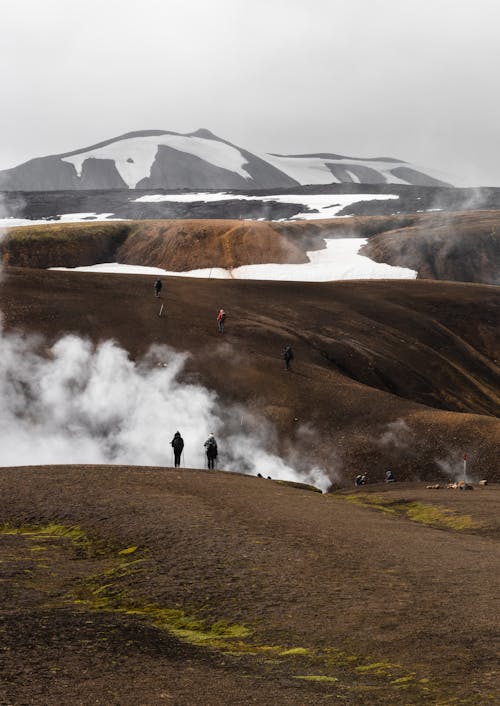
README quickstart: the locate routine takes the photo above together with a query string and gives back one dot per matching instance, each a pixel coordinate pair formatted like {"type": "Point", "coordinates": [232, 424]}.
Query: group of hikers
{"type": "Point", "coordinates": [287, 353]}
{"type": "Point", "coordinates": [362, 478]}
{"type": "Point", "coordinates": [210, 445]}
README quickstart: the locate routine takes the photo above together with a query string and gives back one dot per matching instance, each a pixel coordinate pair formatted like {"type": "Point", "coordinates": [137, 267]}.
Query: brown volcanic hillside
{"type": "Point", "coordinates": [461, 247]}
{"type": "Point", "coordinates": [192, 244]}
{"type": "Point", "coordinates": [370, 357]}
{"type": "Point", "coordinates": [455, 246]}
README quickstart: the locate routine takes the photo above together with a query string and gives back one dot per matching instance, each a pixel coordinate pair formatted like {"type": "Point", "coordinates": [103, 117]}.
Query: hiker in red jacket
{"type": "Point", "coordinates": [221, 317]}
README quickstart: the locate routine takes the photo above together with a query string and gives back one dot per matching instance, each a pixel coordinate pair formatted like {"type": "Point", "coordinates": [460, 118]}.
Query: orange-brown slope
{"type": "Point", "coordinates": [194, 244]}
{"type": "Point", "coordinates": [368, 355]}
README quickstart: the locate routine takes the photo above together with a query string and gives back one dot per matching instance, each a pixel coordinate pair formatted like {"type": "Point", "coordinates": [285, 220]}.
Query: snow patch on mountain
{"type": "Point", "coordinates": [310, 170]}
{"type": "Point", "coordinates": [134, 156]}
{"type": "Point", "coordinates": [324, 205]}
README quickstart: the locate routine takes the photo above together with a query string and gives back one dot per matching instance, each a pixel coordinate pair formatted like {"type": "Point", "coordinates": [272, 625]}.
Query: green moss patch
{"type": "Point", "coordinates": [296, 651]}
{"type": "Point", "coordinates": [424, 513]}
{"type": "Point", "coordinates": [378, 668]}
{"type": "Point", "coordinates": [436, 516]}
{"type": "Point", "coordinates": [364, 500]}
{"type": "Point", "coordinates": [317, 678]}
{"type": "Point", "coordinates": [127, 551]}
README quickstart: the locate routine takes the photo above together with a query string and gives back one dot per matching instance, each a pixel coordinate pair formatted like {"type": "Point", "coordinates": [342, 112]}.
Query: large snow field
{"type": "Point", "coordinates": [134, 156]}
{"type": "Point", "coordinates": [315, 170]}
{"type": "Point", "coordinates": [340, 260]}
{"type": "Point", "coordinates": [326, 205]}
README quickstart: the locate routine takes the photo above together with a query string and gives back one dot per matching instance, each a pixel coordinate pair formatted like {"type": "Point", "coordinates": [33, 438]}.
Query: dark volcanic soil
{"type": "Point", "coordinates": [339, 597]}
{"type": "Point", "coordinates": [51, 204]}
{"type": "Point", "coordinates": [370, 357]}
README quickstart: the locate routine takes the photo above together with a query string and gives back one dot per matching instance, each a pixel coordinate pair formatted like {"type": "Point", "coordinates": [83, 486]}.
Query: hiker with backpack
{"type": "Point", "coordinates": [211, 450]}
{"type": "Point", "coordinates": [177, 444]}
{"type": "Point", "coordinates": [157, 287]}
{"type": "Point", "coordinates": [287, 356]}
{"type": "Point", "coordinates": [221, 318]}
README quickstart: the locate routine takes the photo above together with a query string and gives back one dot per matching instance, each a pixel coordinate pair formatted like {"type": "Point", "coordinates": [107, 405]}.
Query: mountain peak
{"type": "Point", "coordinates": [203, 132]}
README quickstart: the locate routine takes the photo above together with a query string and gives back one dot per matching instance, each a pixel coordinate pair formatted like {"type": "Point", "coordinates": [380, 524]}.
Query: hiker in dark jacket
{"type": "Point", "coordinates": [211, 449]}
{"type": "Point", "coordinates": [158, 285]}
{"type": "Point", "coordinates": [287, 356]}
{"type": "Point", "coordinates": [177, 444]}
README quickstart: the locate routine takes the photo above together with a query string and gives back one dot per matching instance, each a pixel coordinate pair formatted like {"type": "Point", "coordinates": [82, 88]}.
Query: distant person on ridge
{"type": "Point", "coordinates": [389, 477]}
{"type": "Point", "coordinates": [177, 444]}
{"type": "Point", "coordinates": [157, 286]}
{"type": "Point", "coordinates": [211, 449]}
{"type": "Point", "coordinates": [221, 318]}
{"type": "Point", "coordinates": [287, 356]}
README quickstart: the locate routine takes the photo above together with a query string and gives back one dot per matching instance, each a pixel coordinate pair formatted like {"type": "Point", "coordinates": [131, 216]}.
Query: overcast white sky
{"type": "Point", "coordinates": [412, 79]}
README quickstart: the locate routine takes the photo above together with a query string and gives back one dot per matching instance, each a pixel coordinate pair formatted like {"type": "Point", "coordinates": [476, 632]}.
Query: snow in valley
{"type": "Point", "coordinates": [339, 260]}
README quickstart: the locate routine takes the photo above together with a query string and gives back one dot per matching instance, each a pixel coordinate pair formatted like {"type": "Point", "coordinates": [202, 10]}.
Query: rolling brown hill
{"type": "Point", "coordinates": [445, 246]}
{"type": "Point", "coordinates": [371, 357]}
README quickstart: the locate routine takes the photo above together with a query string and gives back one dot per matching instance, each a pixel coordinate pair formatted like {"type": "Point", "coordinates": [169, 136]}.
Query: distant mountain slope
{"type": "Point", "coordinates": [152, 159]}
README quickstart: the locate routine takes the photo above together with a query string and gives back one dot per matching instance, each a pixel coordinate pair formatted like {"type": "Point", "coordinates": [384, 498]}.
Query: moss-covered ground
{"type": "Point", "coordinates": [98, 583]}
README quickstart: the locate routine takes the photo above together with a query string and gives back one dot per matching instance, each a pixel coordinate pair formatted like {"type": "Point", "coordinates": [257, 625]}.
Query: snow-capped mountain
{"type": "Point", "coordinates": [158, 159]}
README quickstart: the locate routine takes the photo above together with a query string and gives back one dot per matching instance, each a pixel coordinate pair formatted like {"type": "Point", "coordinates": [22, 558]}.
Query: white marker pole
{"type": "Point", "coordinates": [465, 468]}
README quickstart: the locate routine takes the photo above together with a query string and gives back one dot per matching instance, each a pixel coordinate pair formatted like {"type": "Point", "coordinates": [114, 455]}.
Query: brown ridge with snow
{"type": "Point", "coordinates": [445, 246]}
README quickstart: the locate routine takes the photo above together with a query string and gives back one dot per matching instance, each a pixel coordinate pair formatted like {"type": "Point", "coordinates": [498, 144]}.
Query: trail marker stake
{"type": "Point", "coordinates": [465, 468]}
{"type": "Point", "coordinates": [160, 313]}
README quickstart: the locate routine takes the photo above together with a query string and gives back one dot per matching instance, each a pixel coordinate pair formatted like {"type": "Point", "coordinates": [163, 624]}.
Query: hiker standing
{"type": "Point", "coordinates": [177, 444]}
{"type": "Point", "coordinates": [221, 318]}
{"type": "Point", "coordinates": [158, 285]}
{"type": "Point", "coordinates": [287, 356]}
{"type": "Point", "coordinates": [211, 449]}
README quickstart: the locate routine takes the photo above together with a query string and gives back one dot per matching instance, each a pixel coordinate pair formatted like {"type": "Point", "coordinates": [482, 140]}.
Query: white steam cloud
{"type": "Point", "coordinates": [396, 436]}
{"type": "Point", "coordinates": [453, 467]}
{"type": "Point", "coordinates": [80, 403]}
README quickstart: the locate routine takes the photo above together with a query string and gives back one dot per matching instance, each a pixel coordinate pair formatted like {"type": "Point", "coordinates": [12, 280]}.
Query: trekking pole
{"type": "Point", "coordinates": [172, 458]}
